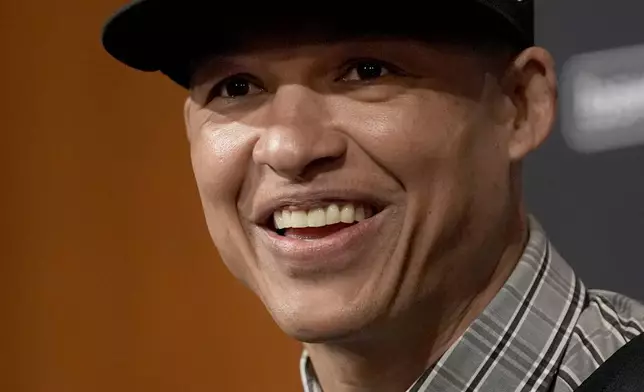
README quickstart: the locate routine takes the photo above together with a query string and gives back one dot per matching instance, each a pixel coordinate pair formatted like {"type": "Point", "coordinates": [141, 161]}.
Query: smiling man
{"type": "Point", "coordinates": [361, 173]}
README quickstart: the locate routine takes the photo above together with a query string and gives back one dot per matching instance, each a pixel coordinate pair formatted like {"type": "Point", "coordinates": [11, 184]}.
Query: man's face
{"type": "Point", "coordinates": [408, 134]}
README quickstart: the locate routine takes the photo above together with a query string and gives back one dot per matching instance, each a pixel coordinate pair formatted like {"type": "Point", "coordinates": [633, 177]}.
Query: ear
{"type": "Point", "coordinates": [531, 84]}
{"type": "Point", "coordinates": [187, 116]}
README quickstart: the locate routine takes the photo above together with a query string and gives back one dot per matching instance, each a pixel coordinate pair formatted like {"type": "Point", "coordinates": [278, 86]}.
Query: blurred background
{"type": "Point", "coordinates": [109, 281]}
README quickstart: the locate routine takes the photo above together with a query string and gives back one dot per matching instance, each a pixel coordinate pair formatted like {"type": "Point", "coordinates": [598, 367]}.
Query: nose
{"type": "Point", "coordinates": [300, 139]}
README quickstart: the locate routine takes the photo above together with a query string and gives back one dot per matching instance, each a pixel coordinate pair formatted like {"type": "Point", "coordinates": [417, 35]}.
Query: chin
{"type": "Point", "coordinates": [325, 332]}
{"type": "Point", "coordinates": [310, 324]}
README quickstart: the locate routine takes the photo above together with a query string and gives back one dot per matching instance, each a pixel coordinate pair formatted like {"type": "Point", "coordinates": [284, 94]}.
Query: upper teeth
{"type": "Point", "coordinates": [318, 217]}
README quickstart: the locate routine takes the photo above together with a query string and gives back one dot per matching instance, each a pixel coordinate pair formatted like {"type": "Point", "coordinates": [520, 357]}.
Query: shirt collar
{"type": "Point", "coordinates": [515, 344]}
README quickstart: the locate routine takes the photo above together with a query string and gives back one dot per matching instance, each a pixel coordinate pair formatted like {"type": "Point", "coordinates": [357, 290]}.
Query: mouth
{"type": "Point", "coordinates": [310, 236]}
{"type": "Point", "coordinates": [320, 221]}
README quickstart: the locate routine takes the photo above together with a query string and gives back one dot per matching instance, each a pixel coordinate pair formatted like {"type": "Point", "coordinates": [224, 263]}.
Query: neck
{"type": "Point", "coordinates": [394, 359]}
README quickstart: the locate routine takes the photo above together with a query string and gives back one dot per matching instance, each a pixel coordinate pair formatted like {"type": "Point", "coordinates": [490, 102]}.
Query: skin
{"type": "Point", "coordinates": [435, 140]}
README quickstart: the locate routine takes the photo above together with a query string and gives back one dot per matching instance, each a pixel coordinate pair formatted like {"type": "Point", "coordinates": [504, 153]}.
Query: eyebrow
{"type": "Point", "coordinates": [205, 69]}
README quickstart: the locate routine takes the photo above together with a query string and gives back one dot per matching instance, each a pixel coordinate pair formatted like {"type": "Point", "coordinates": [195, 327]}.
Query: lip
{"type": "Point", "coordinates": [311, 199]}
{"type": "Point", "coordinates": [334, 252]}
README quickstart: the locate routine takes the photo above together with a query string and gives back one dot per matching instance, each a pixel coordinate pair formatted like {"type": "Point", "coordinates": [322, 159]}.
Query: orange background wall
{"type": "Point", "coordinates": [108, 278]}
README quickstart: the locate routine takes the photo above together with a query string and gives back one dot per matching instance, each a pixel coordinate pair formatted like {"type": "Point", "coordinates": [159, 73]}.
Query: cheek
{"type": "Point", "coordinates": [412, 136]}
{"type": "Point", "coordinates": [220, 157]}
{"type": "Point", "coordinates": [442, 149]}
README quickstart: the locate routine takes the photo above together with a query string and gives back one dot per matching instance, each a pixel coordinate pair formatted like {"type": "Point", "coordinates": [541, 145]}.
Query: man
{"type": "Point", "coordinates": [360, 171]}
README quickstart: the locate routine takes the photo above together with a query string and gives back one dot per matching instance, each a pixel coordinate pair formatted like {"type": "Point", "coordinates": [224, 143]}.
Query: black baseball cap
{"type": "Point", "coordinates": [169, 35]}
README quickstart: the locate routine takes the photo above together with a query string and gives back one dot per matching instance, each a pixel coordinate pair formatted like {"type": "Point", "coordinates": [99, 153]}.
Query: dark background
{"type": "Point", "coordinates": [592, 205]}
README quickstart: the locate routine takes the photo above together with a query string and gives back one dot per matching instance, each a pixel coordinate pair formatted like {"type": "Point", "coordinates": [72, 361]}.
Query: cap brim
{"type": "Point", "coordinates": [147, 35]}
{"type": "Point", "coordinates": [164, 35]}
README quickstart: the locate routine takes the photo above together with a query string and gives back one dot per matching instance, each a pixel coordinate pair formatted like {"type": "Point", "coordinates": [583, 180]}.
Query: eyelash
{"type": "Point", "coordinates": [350, 65]}
{"type": "Point", "coordinates": [216, 90]}
{"type": "Point", "coordinates": [353, 63]}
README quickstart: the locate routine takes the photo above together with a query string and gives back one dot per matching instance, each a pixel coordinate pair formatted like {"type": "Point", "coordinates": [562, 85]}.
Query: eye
{"type": "Point", "coordinates": [365, 70]}
{"type": "Point", "coordinates": [234, 87]}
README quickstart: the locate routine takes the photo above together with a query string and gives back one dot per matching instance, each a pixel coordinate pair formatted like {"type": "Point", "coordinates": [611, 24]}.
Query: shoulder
{"type": "Point", "coordinates": [607, 322]}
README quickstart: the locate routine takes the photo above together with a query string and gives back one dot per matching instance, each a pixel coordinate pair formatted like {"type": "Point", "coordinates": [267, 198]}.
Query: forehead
{"type": "Point", "coordinates": [319, 44]}
{"type": "Point", "coordinates": [444, 26]}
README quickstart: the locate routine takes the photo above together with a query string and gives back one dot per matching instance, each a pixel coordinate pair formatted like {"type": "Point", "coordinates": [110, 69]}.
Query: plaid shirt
{"type": "Point", "coordinates": [542, 332]}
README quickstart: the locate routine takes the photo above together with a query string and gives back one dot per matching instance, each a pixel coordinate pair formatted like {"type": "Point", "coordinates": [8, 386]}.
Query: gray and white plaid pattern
{"type": "Point", "coordinates": [542, 332]}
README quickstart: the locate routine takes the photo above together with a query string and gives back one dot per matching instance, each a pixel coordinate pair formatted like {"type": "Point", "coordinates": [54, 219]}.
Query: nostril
{"type": "Point", "coordinates": [319, 166]}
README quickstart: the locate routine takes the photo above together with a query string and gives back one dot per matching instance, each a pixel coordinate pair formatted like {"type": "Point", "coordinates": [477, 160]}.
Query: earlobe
{"type": "Point", "coordinates": [533, 88]}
